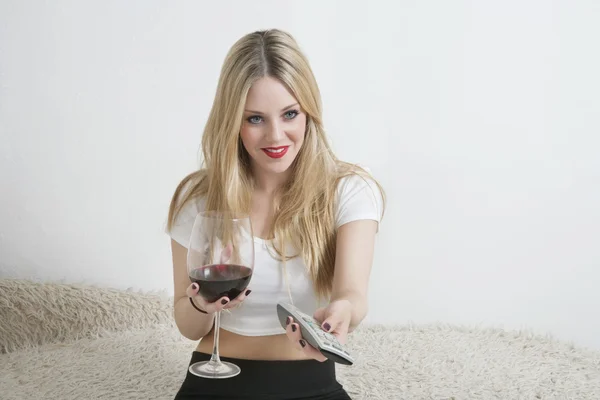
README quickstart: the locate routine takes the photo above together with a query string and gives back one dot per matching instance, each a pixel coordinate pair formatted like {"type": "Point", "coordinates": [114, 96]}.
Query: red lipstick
{"type": "Point", "coordinates": [275, 152]}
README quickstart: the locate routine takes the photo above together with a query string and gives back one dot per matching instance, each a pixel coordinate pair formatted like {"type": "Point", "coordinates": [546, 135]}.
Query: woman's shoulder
{"type": "Point", "coordinates": [186, 204]}
{"type": "Point", "coordinates": [188, 193]}
{"type": "Point", "coordinates": [356, 179]}
{"type": "Point", "coordinates": [359, 196]}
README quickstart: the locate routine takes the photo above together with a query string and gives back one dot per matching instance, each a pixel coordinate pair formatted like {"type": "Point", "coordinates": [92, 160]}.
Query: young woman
{"type": "Point", "coordinates": [314, 218]}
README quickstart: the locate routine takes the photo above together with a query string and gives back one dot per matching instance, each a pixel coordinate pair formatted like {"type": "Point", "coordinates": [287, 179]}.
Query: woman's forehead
{"type": "Point", "coordinates": [269, 95]}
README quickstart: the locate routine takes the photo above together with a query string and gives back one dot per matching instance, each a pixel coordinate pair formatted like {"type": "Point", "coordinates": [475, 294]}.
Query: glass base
{"type": "Point", "coordinates": [214, 370]}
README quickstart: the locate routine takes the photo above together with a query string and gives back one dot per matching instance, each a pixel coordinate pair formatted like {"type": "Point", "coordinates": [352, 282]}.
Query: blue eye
{"type": "Point", "coordinates": [255, 119]}
{"type": "Point", "coordinates": [291, 114]}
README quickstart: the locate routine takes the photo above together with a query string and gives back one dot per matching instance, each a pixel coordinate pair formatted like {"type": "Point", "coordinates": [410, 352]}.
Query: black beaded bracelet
{"type": "Point", "coordinates": [196, 307]}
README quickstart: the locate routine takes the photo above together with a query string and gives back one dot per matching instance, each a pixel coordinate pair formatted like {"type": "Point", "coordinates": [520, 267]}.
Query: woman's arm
{"type": "Point", "coordinates": [348, 305]}
{"type": "Point", "coordinates": [353, 262]}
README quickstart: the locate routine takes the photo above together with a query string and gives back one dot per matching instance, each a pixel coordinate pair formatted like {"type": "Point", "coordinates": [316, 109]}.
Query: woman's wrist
{"type": "Point", "coordinates": [196, 307]}
{"type": "Point", "coordinates": [191, 323]}
{"type": "Point", "coordinates": [357, 305]}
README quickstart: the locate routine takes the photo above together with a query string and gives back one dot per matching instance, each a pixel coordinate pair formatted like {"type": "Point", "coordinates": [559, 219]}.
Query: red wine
{"type": "Point", "coordinates": [219, 280]}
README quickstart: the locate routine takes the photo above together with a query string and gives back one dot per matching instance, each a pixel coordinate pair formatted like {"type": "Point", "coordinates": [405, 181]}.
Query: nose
{"type": "Point", "coordinates": [274, 132]}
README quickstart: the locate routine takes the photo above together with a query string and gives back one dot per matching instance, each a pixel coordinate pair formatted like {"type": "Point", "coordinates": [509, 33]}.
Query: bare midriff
{"type": "Point", "coordinates": [272, 347]}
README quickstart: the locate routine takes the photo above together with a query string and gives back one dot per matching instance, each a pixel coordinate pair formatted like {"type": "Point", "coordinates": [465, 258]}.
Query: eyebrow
{"type": "Point", "coordinates": [282, 110]}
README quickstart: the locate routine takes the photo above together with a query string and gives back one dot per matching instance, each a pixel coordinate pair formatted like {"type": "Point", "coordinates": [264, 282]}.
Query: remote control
{"type": "Point", "coordinates": [323, 341]}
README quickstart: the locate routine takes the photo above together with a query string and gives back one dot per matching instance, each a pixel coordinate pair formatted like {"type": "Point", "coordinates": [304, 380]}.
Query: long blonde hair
{"type": "Point", "coordinates": [304, 212]}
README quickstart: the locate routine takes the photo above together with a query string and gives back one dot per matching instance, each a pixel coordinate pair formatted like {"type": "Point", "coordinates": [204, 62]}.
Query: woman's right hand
{"type": "Point", "coordinates": [223, 303]}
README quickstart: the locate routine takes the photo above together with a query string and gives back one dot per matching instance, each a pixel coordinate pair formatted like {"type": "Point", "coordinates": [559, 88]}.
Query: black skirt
{"type": "Point", "coordinates": [266, 380]}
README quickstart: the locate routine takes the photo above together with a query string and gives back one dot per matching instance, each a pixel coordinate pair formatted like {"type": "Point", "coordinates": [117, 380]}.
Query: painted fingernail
{"type": "Point", "coordinates": [326, 326]}
{"type": "Point", "coordinates": [224, 301]}
{"type": "Point", "coordinates": [302, 343]}
{"type": "Point", "coordinates": [195, 286]}
{"type": "Point", "coordinates": [248, 292]}
{"type": "Point", "coordinates": [293, 327]}
{"type": "Point", "coordinates": [289, 319]}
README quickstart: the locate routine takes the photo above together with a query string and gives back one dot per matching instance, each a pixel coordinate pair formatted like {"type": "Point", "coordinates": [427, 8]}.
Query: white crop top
{"type": "Point", "coordinates": [257, 316]}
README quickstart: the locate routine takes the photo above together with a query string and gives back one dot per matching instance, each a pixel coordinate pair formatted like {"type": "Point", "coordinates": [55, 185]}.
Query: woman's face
{"type": "Point", "coordinates": [273, 127]}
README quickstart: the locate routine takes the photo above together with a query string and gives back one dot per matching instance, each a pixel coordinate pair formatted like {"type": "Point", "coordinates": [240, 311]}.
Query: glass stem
{"type": "Point", "coordinates": [215, 353]}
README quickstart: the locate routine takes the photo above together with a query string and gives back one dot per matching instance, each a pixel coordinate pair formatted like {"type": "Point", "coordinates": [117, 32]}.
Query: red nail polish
{"type": "Point", "coordinates": [248, 292]}
{"type": "Point", "coordinates": [289, 319]}
{"type": "Point", "coordinates": [294, 328]}
{"type": "Point", "coordinates": [224, 301]}
{"type": "Point", "coordinates": [195, 286]}
{"type": "Point", "coordinates": [326, 326]}
{"type": "Point", "coordinates": [302, 343]}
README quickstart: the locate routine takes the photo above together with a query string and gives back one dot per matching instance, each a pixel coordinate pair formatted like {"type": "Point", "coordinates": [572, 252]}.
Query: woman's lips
{"type": "Point", "coordinates": [276, 152]}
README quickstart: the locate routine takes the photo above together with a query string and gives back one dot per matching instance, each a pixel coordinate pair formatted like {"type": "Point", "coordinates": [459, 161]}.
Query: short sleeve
{"type": "Point", "coordinates": [184, 222]}
{"type": "Point", "coordinates": [359, 198]}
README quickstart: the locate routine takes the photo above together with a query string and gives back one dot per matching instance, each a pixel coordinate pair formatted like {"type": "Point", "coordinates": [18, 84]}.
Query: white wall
{"type": "Point", "coordinates": [479, 118]}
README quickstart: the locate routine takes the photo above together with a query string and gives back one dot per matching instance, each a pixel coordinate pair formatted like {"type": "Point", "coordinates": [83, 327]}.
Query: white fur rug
{"type": "Point", "coordinates": [72, 342]}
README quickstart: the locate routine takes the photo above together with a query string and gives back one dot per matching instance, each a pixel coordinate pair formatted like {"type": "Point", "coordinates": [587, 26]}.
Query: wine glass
{"type": "Point", "coordinates": [220, 260]}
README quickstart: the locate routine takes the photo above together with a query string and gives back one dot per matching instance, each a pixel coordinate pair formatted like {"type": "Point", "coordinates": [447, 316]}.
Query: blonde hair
{"type": "Point", "coordinates": [304, 212]}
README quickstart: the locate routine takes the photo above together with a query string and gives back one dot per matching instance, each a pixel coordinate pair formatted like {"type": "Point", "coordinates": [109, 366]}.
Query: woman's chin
{"type": "Point", "coordinates": [275, 168]}
{"type": "Point", "coordinates": [279, 169]}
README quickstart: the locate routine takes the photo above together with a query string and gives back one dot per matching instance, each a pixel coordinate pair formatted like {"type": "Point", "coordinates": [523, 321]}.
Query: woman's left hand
{"type": "Point", "coordinates": [334, 318]}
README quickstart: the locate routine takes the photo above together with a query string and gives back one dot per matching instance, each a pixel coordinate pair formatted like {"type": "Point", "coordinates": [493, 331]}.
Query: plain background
{"type": "Point", "coordinates": [480, 119]}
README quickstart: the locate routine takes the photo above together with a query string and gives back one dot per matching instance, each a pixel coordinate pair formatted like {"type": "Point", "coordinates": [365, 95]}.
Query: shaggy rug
{"type": "Point", "coordinates": [60, 341]}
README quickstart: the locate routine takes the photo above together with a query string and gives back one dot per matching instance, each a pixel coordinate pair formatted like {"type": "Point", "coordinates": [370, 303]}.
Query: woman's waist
{"type": "Point", "coordinates": [271, 347]}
